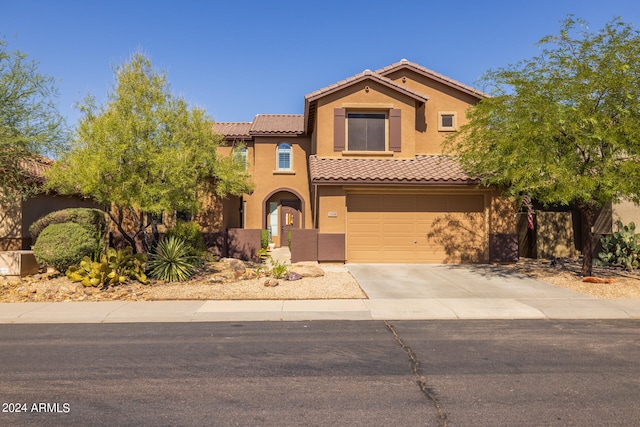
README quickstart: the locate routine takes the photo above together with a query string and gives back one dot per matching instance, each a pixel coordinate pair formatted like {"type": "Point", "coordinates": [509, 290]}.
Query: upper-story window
{"type": "Point", "coordinates": [367, 131]}
{"type": "Point", "coordinates": [240, 155]}
{"type": "Point", "coordinates": [158, 218]}
{"type": "Point", "coordinates": [283, 160]}
{"type": "Point", "coordinates": [377, 132]}
{"type": "Point", "coordinates": [447, 121]}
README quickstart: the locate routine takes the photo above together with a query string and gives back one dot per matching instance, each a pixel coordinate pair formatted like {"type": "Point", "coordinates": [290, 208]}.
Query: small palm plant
{"type": "Point", "coordinates": [172, 260]}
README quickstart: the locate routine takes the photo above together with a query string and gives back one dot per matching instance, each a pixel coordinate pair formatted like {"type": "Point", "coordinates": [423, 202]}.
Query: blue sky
{"type": "Point", "coordinates": [240, 58]}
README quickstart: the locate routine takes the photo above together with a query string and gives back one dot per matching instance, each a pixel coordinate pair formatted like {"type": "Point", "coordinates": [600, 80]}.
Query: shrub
{"type": "Point", "coordinates": [93, 219]}
{"type": "Point", "coordinates": [621, 248]}
{"type": "Point", "coordinates": [273, 267]}
{"type": "Point", "coordinates": [191, 234]}
{"type": "Point", "coordinates": [278, 269]}
{"type": "Point", "coordinates": [171, 261]}
{"type": "Point", "coordinates": [264, 239]}
{"type": "Point", "coordinates": [63, 245]}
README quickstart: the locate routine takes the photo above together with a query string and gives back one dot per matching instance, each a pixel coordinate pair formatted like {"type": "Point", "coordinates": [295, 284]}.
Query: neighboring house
{"type": "Point", "coordinates": [361, 177]}
{"type": "Point", "coordinates": [16, 216]}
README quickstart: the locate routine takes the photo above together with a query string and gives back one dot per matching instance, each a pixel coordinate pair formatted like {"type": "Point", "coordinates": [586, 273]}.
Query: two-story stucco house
{"type": "Point", "coordinates": [363, 170]}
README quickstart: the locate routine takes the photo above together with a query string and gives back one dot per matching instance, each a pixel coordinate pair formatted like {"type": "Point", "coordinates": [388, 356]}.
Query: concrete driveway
{"type": "Point", "coordinates": [410, 281]}
{"type": "Point", "coordinates": [419, 291]}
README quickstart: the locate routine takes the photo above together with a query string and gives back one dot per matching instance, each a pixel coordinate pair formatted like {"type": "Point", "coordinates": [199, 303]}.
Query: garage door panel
{"type": "Point", "coordinates": [466, 204]}
{"type": "Point", "coordinates": [415, 229]}
{"type": "Point", "coordinates": [432, 204]}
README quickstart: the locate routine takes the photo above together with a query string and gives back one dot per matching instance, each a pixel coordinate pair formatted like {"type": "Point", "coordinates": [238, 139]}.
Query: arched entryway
{"type": "Point", "coordinates": [283, 210]}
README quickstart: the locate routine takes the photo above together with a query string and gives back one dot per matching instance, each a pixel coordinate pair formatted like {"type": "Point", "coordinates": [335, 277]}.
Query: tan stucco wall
{"type": "Point", "coordinates": [332, 209]}
{"type": "Point", "coordinates": [503, 218]}
{"type": "Point", "coordinates": [43, 204]}
{"type": "Point", "coordinates": [555, 236]}
{"type": "Point", "coordinates": [357, 98]}
{"type": "Point", "coordinates": [416, 139]}
{"type": "Point", "coordinates": [261, 154]}
{"type": "Point", "coordinates": [10, 218]}
{"type": "Point", "coordinates": [626, 212]}
{"type": "Point", "coordinates": [17, 216]}
{"type": "Point", "coordinates": [442, 98]}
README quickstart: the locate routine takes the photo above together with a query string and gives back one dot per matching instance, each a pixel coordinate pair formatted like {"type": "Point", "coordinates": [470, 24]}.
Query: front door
{"type": "Point", "coordinates": [290, 218]}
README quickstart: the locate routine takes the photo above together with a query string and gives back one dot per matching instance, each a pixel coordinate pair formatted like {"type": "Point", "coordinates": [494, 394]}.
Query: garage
{"type": "Point", "coordinates": [416, 228]}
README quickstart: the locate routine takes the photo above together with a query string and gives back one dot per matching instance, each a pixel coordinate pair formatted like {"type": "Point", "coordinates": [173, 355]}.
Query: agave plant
{"type": "Point", "coordinates": [171, 261]}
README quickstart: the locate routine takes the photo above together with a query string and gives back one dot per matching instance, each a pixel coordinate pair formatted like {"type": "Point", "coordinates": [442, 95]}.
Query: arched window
{"type": "Point", "coordinates": [283, 154]}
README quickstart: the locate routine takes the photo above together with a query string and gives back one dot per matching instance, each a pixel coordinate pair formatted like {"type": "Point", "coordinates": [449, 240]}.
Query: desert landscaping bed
{"type": "Point", "coordinates": [215, 281]}
{"type": "Point", "coordinates": [223, 281]}
{"type": "Point", "coordinates": [566, 273]}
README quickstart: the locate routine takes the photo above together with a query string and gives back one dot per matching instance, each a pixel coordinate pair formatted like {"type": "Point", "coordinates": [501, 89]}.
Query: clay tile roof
{"type": "Point", "coordinates": [277, 124]}
{"type": "Point", "coordinates": [432, 74]}
{"type": "Point", "coordinates": [422, 170]}
{"type": "Point", "coordinates": [366, 74]}
{"type": "Point", "coordinates": [233, 130]}
{"type": "Point", "coordinates": [36, 167]}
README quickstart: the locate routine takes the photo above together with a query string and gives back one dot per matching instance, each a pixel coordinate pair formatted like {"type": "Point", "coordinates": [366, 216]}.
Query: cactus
{"type": "Point", "coordinates": [621, 248]}
{"type": "Point", "coordinates": [91, 273]}
{"type": "Point", "coordinates": [128, 264]}
{"type": "Point", "coordinates": [113, 268]}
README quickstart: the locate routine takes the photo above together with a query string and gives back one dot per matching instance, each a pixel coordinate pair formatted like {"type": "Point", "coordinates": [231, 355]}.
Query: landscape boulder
{"type": "Point", "coordinates": [307, 270]}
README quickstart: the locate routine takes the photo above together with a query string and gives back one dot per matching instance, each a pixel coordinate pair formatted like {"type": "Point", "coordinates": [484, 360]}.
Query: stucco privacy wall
{"type": "Point", "coordinates": [10, 224]}
{"type": "Point", "coordinates": [17, 216]}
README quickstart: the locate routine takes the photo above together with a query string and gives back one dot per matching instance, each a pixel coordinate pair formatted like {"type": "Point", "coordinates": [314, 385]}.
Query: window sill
{"type": "Point", "coordinates": [284, 172]}
{"type": "Point", "coordinates": [368, 153]}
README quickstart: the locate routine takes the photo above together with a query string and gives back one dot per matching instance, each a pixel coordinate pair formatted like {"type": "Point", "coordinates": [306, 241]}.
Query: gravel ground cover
{"type": "Point", "coordinates": [225, 281]}
{"type": "Point", "coordinates": [566, 273]}
{"type": "Point", "coordinates": [214, 281]}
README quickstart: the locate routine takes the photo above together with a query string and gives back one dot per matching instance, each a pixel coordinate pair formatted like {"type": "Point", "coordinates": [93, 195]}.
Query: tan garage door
{"type": "Point", "coordinates": [415, 228]}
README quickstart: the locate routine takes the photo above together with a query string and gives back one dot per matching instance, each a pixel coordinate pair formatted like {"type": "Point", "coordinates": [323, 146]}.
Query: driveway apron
{"type": "Point", "coordinates": [428, 281]}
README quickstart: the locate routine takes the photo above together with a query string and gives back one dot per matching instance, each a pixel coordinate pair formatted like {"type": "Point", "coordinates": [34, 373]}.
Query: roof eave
{"type": "Point", "coordinates": [383, 182]}
{"type": "Point", "coordinates": [433, 75]}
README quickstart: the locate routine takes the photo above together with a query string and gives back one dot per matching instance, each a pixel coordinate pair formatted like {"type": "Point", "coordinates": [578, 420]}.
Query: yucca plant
{"type": "Point", "coordinates": [172, 260]}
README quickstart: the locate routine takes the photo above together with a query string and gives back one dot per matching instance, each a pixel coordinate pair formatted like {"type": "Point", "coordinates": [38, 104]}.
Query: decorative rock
{"type": "Point", "coordinates": [307, 270]}
{"type": "Point", "coordinates": [293, 276]}
{"type": "Point", "coordinates": [271, 283]}
{"type": "Point", "coordinates": [234, 264]}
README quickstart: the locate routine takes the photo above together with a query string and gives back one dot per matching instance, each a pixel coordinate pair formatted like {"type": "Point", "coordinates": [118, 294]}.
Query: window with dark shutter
{"type": "Point", "coordinates": [366, 131]}
{"type": "Point", "coordinates": [395, 126]}
{"type": "Point", "coordinates": [338, 129]}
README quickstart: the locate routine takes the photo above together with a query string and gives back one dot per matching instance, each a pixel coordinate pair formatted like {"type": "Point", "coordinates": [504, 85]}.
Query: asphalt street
{"type": "Point", "coordinates": [356, 373]}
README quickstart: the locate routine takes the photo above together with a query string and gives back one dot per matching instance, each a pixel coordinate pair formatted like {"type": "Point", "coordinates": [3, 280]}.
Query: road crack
{"type": "Point", "coordinates": [420, 379]}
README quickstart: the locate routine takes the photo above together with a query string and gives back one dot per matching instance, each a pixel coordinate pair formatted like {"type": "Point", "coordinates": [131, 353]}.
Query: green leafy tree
{"type": "Point", "coordinates": [564, 126]}
{"type": "Point", "coordinates": [145, 151]}
{"type": "Point", "coordinates": [30, 125]}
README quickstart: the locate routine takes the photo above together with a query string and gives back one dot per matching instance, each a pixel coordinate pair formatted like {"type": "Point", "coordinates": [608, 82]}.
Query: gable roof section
{"type": "Point", "coordinates": [432, 75]}
{"type": "Point", "coordinates": [423, 170]}
{"type": "Point", "coordinates": [309, 99]}
{"type": "Point", "coordinates": [365, 75]}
